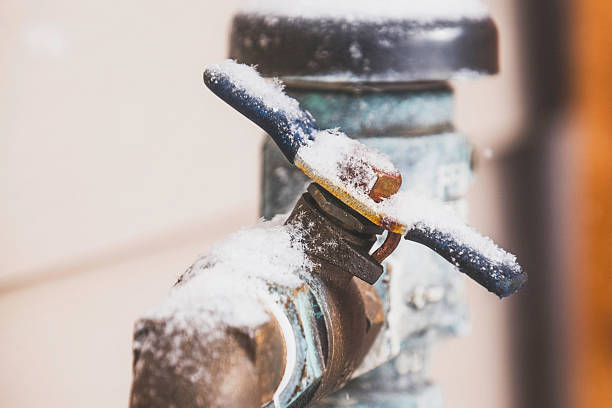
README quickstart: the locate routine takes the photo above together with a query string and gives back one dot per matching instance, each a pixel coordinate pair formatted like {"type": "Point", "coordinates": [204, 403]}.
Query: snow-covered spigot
{"type": "Point", "coordinates": [364, 179]}
{"type": "Point", "coordinates": [285, 313]}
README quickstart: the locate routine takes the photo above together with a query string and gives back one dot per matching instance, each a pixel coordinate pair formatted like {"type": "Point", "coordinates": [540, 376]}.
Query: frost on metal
{"type": "Point", "coordinates": [246, 78]}
{"type": "Point", "coordinates": [418, 211]}
{"type": "Point", "coordinates": [349, 170]}
{"type": "Point", "coordinates": [329, 156]}
{"type": "Point", "coordinates": [228, 287]}
{"type": "Point", "coordinates": [367, 10]}
{"type": "Point", "coordinates": [335, 157]}
{"type": "Point", "coordinates": [239, 269]}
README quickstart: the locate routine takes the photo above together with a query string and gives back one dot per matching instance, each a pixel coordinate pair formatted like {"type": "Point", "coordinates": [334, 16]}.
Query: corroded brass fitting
{"type": "Point", "coordinates": [317, 335]}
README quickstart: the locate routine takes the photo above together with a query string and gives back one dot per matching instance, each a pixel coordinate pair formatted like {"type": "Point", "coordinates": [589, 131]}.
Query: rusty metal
{"type": "Point", "coordinates": [333, 244]}
{"type": "Point", "coordinates": [387, 248]}
{"type": "Point", "coordinates": [350, 309]}
{"type": "Point", "coordinates": [375, 316]}
{"type": "Point", "coordinates": [269, 356]}
{"type": "Point", "coordinates": [325, 327]}
{"type": "Point", "coordinates": [340, 213]}
{"type": "Point", "coordinates": [174, 367]}
{"type": "Point", "coordinates": [386, 185]}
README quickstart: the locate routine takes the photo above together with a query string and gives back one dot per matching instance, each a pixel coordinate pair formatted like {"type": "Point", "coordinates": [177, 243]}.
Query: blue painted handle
{"type": "Point", "coordinates": [290, 130]}
{"type": "Point", "coordinates": [503, 279]}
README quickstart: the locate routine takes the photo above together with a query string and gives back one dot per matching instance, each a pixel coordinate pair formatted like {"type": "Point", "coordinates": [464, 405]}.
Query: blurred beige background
{"type": "Point", "coordinates": [118, 168]}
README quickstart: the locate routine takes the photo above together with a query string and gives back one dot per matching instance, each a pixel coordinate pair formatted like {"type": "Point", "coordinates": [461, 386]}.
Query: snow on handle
{"type": "Point", "coordinates": [331, 157]}
{"type": "Point", "coordinates": [263, 102]}
{"type": "Point", "coordinates": [246, 78]}
{"type": "Point", "coordinates": [438, 227]}
{"type": "Point", "coordinates": [349, 170]}
{"type": "Point", "coordinates": [413, 210]}
{"type": "Point", "coordinates": [499, 273]}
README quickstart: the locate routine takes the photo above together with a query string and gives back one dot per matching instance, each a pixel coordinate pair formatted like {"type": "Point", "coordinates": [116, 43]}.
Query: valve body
{"type": "Point", "coordinates": [388, 85]}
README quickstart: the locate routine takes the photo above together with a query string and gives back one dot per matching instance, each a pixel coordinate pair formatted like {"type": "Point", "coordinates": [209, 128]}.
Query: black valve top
{"type": "Point", "coordinates": [333, 49]}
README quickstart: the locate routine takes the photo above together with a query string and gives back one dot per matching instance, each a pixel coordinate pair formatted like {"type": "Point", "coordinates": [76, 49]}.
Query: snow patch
{"type": "Point", "coordinates": [418, 211]}
{"type": "Point", "coordinates": [344, 161]}
{"type": "Point", "coordinates": [368, 10]}
{"type": "Point", "coordinates": [222, 286]}
{"type": "Point", "coordinates": [246, 79]}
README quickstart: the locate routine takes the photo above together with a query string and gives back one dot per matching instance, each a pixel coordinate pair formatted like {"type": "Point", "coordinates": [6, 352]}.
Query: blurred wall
{"type": "Point", "coordinates": [108, 135]}
{"type": "Point", "coordinates": [118, 168]}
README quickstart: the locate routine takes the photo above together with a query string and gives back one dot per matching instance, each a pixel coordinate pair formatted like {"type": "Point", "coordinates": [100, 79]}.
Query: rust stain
{"type": "Point", "coordinates": [386, 185]}
{"type": "Point", "coordinates": [387, 247]}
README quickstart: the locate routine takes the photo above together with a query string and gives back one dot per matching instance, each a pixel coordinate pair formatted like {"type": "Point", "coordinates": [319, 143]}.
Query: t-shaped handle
{"type": "Point", "coordinates": [363, 178]}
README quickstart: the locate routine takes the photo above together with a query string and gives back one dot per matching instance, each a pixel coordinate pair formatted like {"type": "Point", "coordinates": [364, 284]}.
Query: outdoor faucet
{"type": "Point", "coordinates": [317, 333]}
{"type": "Point", "coordinates": [293, 309]}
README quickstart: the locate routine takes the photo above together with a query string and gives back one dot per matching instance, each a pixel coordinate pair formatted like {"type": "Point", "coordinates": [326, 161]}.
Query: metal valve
{"type": "Point", "coordinates": [232, 333]}
{"type": "Point", "coordinates": [295, 132]}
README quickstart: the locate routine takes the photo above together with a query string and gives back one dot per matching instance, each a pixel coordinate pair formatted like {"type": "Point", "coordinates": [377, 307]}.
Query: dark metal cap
{"type": "Point", "coordinates": [331, 49]}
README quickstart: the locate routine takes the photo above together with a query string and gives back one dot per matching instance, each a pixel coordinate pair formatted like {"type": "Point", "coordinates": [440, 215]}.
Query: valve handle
{"type": "Point", "coordinates": [361, 177]}
{"type": "Point", "coordinates": [494, 269]}
{"type": "Point", "coordinates": [263, 103]}
{"type": "Point", "coordinates": [360, 168]}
